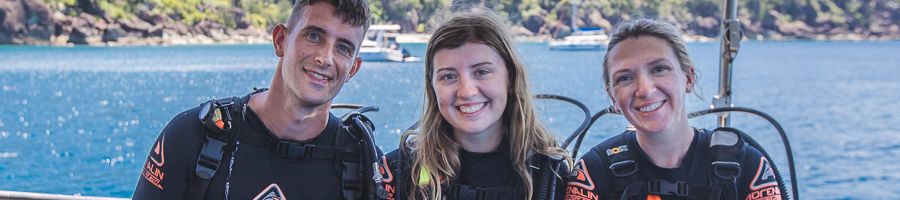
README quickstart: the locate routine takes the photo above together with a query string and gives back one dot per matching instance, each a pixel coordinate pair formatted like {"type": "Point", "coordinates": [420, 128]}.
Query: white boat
{"type": "Point", "coordinates": [413, 38]}
{"type": "Point", "coordinates": [377, 47]}
{"type": "Point", "coordinates": [582, 40]}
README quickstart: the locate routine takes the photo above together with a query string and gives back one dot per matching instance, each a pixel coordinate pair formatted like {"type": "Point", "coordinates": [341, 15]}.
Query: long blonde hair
{"type": "Point", "coordinates": [435, 151]}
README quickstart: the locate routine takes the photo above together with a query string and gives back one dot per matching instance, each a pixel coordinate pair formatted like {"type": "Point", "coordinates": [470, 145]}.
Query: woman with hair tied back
{"type": "Point", "coordinates": [648, 75]}
{"type": "Point", "coordinates": [479, 136]}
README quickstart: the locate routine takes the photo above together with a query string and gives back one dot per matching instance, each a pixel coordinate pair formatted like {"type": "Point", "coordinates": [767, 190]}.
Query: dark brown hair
{"type": "Point", "coordinates": [353, 12]}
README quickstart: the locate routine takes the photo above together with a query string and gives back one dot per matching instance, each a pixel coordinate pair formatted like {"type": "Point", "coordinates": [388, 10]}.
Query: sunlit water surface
{"type": "Point", "coordinates": [81, 120]}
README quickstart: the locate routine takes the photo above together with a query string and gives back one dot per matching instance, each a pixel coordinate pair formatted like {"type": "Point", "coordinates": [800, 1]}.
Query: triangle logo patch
{"type": "Point", "coordinates": [273, 192]}
{"type": "Point", "coordinates": [583, 177]}
{"type": "Point", "coordinates": [765, 176]}
{"type": "Point", "coordinates": [158, 155]}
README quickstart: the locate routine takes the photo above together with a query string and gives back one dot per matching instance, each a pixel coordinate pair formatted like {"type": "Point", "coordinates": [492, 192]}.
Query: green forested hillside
{"type": "Point", "coordinates": [209, 21]}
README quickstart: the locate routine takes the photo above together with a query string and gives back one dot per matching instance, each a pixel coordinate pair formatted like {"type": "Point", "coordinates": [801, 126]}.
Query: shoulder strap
{"type": "Point", "coordinates": [360, 140]}
{"type": "Point", "coordinates": [218, 116]}
{"type": "Point", "coordinates": [622, 165]}
{"type": "Point", "coordinates": [726, 149]}
{"type": "Point", "coordinates": [548, 173]}
{"type": "Point", "coordinates": [219, 119]}
{"type": "Point", "coordinates": [351, 174]}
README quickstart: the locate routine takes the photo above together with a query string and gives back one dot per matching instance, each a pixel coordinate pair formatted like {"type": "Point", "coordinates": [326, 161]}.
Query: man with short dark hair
{"type": "Point", "coordinates": [282, 142]}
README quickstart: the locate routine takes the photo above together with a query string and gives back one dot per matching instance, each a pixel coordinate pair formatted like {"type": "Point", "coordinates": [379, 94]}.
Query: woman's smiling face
{"type": "Point", "coordinates": [471, 83]}
{"type": "Point", "coordinates": [647, 83]}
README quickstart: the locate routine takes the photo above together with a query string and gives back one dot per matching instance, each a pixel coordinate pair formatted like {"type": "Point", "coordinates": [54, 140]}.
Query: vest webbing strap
{"type": "Point", "coordinates": [722, 172]}
{"type": "Point", "coordinates": [466, 192]}
{"type": "Point", "coordinates": [216, 142]}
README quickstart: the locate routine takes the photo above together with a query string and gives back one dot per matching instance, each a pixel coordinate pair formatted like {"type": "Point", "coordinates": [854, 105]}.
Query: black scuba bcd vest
{"type": "Point", "coordinates": [223, 119]}
{"type": "Point", "coordinates": [547, 174]}
{"type": "Point", "coordinates": [716, 180]}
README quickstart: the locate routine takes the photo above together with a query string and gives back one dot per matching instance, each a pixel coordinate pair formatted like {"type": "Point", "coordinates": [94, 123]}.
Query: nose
{"type": "Point", "coordinates": [325, 56]}
{"type": "Point", "coordinates": [645, 87]}
{"type": "Point", "coordinates": [467, 87]}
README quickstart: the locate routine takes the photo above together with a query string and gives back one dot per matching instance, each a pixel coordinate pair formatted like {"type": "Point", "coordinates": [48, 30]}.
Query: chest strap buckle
{"type": "Point", "coordinates": [290, 149]}
{"type": "Point", "coordinates": [664, 187]}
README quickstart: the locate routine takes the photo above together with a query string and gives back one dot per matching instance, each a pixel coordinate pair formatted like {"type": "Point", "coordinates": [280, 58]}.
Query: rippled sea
{"type": "Point", "coordinates": [81, 120]}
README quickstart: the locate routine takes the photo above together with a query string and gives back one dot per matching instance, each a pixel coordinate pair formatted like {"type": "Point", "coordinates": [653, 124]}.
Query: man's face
{"type": "Point", "coordinates": [318, 54]}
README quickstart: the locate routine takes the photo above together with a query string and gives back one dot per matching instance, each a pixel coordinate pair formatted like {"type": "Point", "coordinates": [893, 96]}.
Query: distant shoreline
{"type": "Point", "coordinates": [204, 42]}
{"type": "Point", "coordinates": [151, 23]}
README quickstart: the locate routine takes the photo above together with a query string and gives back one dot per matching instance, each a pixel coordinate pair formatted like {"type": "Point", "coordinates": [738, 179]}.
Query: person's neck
{"type": "Point", "coordinates": [286, 118]}
{"type": "Point", "coordinates": [667, 149]}
{"type": "Point", "coordinates": [486, 141]}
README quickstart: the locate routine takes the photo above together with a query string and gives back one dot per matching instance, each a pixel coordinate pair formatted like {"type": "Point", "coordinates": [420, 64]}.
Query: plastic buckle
{"type": "Point", "coordinates": [209, 159]}
{"type": "Point", "coordinates": [465, 192]}
{"type": "Point", "coordinates": [307, 150]}
{"type": "Point", "coordinates": [212, 113]}
{"type": "Point", "coordinates": [726, 170]}
{"type": "Point", "coordinates": [289, 149]}
{"type": "Point", "coordinates": [282, 148]}
{"type": "Point", "coordinates": [663, 187]}
{"type": "Point", "coordinates": [480, 194]}
{"type": "Point", "coordinates": [624, 168]}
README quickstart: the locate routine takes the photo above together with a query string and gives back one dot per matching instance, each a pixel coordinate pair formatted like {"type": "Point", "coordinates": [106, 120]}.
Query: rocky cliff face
{"type": "Point", "coordinates": [33, 22]}
{"type": "Point", "coordinates": [25, 22]}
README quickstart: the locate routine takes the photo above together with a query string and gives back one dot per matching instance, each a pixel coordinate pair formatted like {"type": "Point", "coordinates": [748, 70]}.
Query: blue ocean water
{"type": "Point", "coordinates": [81, 120]}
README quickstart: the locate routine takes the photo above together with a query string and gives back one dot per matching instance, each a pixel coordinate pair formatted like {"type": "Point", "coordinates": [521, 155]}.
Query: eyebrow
{"type": "Point", "coordinates": [470, 66]}
{"type": "Point", "coordinates": [482, 63]}
{"type": "Point", "coordinates": [657, 61]}
{"type": "Point", "coordinates": [445, 69]}
{"type": "Point", "coordinates": [325, 34]}
{"type": "Point", "coordinates": [653, 62]}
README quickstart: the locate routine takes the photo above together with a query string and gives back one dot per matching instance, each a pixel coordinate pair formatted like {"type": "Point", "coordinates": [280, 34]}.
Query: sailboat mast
{"type": "Point", "coordinates": [730, 43]}
{"type": "Point", "coordinates": [574, 4]}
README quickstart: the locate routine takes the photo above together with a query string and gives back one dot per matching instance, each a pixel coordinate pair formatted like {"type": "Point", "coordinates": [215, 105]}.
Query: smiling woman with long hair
{"type": "Point", "coordinates": [648, 75]}
{"type": "Point", "coordinates": [479, 133]}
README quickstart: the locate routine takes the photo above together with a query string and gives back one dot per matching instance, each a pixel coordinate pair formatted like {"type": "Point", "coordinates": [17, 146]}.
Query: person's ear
{"type": "Point", "coordinates": [612, 100]}
{"type": "Point", "coordinates": [357, 63]}
{"type": "Point", "coordinates": [278, 35]}
{"type": "Point", "coordinates": [690, 80]}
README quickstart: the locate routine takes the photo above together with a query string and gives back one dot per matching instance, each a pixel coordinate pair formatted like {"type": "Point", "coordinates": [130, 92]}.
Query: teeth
{"type": "Point", "coordinates": [472, 108]}
{"type": "Point", "coordinates": [651, 107]}
{"type": "Point", "coordinates": [318, 76]}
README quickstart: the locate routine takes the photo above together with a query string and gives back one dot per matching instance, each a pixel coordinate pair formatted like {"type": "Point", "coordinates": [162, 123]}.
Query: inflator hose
{"type": "Point", "coordinates": [787, 144]}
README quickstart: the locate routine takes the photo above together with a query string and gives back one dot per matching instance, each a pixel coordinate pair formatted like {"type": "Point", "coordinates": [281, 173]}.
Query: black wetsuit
{"type": "Point", "coordinates": [594, 179]}
{"type": "Point", "coordinates": [251, 172]}
{"type": "Point", "coordinates": [491, 171]}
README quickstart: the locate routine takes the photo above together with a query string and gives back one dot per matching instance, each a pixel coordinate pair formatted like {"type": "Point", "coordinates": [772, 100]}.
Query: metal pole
{"type": "Point", "coordinates": [574, 13]}
{"type": "Point", "coordinates": [730, 43]}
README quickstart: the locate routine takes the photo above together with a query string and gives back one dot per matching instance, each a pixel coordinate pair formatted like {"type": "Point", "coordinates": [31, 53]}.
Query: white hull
{"type": "Point", "coordinates": [581, 40]}
{"type": "Point", "coordinates": [381, 46]}
{"type": "Point", "coordinates": [576, 46]}
{"type": "Point", "coordinates": [380, 55]}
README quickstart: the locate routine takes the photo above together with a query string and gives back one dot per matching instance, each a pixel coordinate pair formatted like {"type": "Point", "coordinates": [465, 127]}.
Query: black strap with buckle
{"type": "Point", "coordinates": [466, 192]}
{"type": "Point", "coordinates": [290, 149]}
{"type": "Point", "coordinates": [665, 187]}
{"type": "Point", "coordinates": [216, 115]}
